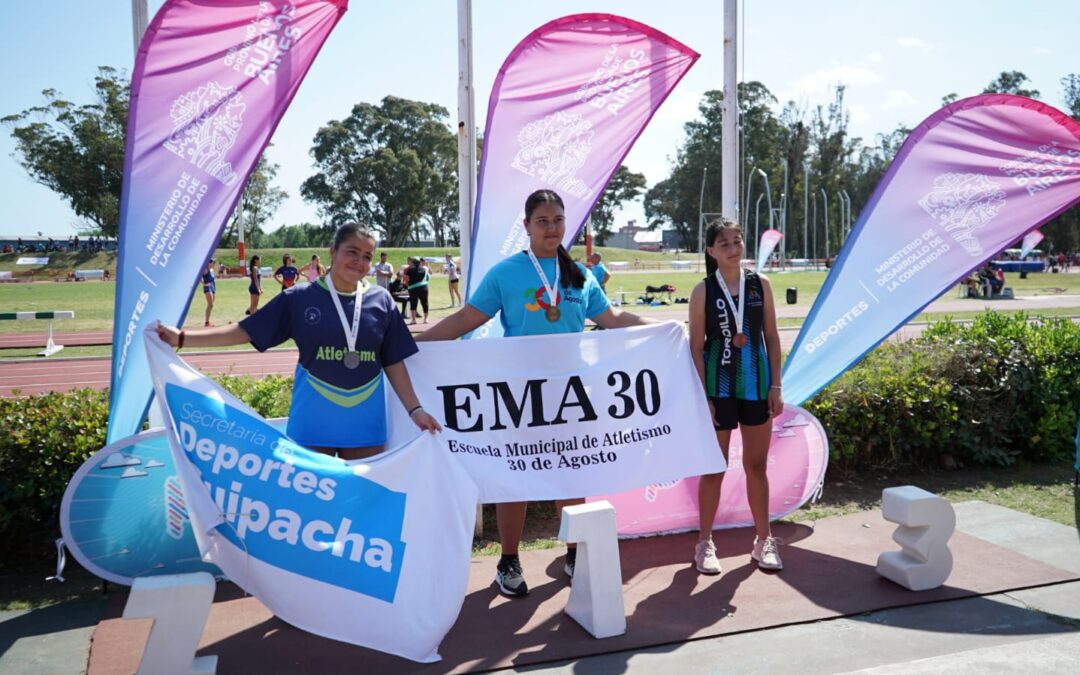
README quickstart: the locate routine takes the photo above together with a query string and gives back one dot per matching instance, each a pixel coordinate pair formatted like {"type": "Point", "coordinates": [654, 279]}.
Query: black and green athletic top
{"type": "Point", "coordinates": [731, 372]}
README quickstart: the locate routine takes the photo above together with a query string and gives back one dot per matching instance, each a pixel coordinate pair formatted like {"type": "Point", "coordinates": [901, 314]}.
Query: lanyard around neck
{"type": "Point", "coordinates": [550, 288]}
{"type": "Point", "coordinates": [351, 332]}
{"type": "Point", "coordinates": [736, 308]}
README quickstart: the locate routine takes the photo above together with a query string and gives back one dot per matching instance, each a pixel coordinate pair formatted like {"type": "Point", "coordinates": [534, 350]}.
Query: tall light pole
{"type": "Point", "coordinates": [701, 215]}
{"type": "Point", "coordinates": [744, 206]}
{"type": "Point", "coordinates": [466, 135]}
{"type": "Point", "coordinates": [847, 213]}
{"type": "Point", "coordinates": [757, 216]}
{"type": "Point", "coordinates": [813, 228]}
{"type": "Point", "coordinates": [783, 216]}
{"type": "Point", "coordinates": [768, 195]}
{"type": "Point", "coordinates": [825, 210]}
{"type": "Point", "coordinates": [806, 210]}
{"type": "Point", "coordinates": [139, 20]}
{"type": "Point", "coordinates": [749, 190]}
{"type": "Point", "coordinates": [729, 152]}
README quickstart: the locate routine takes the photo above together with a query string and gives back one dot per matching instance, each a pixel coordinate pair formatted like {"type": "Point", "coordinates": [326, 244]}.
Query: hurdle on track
{"type": "Point", "coordinates": [50, 346]}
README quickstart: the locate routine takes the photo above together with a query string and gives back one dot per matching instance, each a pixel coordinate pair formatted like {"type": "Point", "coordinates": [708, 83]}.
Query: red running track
{"type": "Point", "coordinates": [38, 376]}
{"type": "Point", "coordinates": [37, 339]}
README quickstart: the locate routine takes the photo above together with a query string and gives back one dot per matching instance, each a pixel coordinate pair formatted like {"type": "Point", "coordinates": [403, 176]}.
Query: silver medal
{"type": "Point", "coordinates": [352, 360]}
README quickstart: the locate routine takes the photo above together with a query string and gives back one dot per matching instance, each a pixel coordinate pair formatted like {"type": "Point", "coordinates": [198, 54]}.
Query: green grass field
{"type": "Point", "coordinates": [92, 301]}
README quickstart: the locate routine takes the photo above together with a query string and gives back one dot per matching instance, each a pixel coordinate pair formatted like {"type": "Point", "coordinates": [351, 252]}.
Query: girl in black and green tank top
{"type": "Point", "coordinates": [736, 350]}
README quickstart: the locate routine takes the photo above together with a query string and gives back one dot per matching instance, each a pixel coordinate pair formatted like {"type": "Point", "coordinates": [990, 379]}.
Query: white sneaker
{"type": "Point", "coordinates": [767, 553]}
{"type": "Point", "coordinates": [705, 557]}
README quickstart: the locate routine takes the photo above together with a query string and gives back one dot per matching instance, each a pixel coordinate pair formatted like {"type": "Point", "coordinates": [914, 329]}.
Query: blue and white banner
{"type": "Point", "coordinates": [374, 554]}
{"type": "Point", "coordinates": [328, 545]}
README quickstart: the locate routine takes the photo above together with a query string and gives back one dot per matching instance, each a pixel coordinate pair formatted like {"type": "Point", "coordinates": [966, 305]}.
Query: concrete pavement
{"type": "Point", "coordinates": [1025, 630]}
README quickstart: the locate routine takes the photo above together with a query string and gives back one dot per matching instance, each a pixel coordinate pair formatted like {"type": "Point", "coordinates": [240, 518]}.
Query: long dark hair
{"type": "Point", "coordinates": [349, 230]}
{"type": "Point", "coordinates": [716, 226]}
{"type": "Point", "coordinates": [569, 272]}
{"type": "Point", "coordinates": [255, 260]}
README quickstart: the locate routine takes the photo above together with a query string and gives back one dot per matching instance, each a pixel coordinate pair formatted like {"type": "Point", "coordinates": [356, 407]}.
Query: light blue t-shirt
{"type": "Point", "coordinates": [513, 288]}
{"type": "Point", "coordinates": [599, 271]}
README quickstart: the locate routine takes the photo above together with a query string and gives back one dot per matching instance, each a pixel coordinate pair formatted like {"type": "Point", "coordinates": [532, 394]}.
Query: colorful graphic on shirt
{"type": "Point", "coordinates": [538, 299]}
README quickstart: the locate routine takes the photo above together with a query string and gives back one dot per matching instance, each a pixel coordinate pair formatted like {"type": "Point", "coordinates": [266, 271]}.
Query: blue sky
{"type": "Point", "coordinates": [897, 59]}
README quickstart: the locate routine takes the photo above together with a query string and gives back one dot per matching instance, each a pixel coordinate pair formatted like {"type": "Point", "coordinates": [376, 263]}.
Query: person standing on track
{"type": "Point", "coordinates": [287, 274]}
{"type": "Point", "coordinates": [254, 283]}
{"type": "Point", "coordinates": [209, 289]}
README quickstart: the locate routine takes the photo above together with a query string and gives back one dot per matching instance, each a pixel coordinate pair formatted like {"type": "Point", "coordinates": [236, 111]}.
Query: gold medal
{"type": "Point", "coordinates": [552, 314]}
{"type": "Point", "coordinates": [739, 340]}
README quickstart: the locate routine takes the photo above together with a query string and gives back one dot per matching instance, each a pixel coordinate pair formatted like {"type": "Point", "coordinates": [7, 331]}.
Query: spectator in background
{"type": "Point", "coordinates": [384, 274]}
{"type": "Point", "coordinates": [419, 274]}
{"type": "Point", "coordinates": [287, 274]}
{"type": "Point", "coordinates": [455, 286]}
{"type": "Point", "coordinates": [599, 271]}
{"type": "Point", "coordinates": [400, 290]}
{"type": "Point", "coordinates": [254, 284]}
{"type": "Point", "coordinates": [972, 285]}
{"type": "Point", "coordinates": [209, 289]}
{"type": "Point", "coordinates": [988, 274]}
{"type": "Point", "coordinates": [315, 269]}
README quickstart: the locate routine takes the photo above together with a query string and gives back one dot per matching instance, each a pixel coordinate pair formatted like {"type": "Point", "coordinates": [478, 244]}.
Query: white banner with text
{"type": "Point", "coordinates": [566, 416]}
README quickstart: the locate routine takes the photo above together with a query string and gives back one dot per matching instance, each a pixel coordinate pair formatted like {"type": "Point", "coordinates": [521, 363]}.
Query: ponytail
{"type": "Point", "coordinates": [569, 271]}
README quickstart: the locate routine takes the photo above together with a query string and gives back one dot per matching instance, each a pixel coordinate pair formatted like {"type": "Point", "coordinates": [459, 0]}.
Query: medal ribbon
{"type": "Point", "coordinates": [350, 333]}
{"type": "Point", "coordinates": [550, 288]}
{"type": "Point", "coordinates": [736, 308]}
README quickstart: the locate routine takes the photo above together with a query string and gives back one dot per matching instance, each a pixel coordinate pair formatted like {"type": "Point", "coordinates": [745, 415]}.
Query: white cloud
{"type": "Point", "coordinates": [1042, 51]}
{"type": "Point", "coordinates": [912, 43]}
{"type": "Point", "coordinates": [820, 81]}
{"type": "Point", "coordinates": [875, 57]}
{"type": "Point", "coordinates": [898, 99]}
{"type": "Point", "coordinates": [859, 115]}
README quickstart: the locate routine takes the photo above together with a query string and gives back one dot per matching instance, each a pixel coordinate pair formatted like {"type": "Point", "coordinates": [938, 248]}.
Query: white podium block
{"type": "Point", "coordinates": [926, 522]}
{"type": "Point", "coordinates": [179, 604]}
{"type": "Point", "coordinates": [596, 600]}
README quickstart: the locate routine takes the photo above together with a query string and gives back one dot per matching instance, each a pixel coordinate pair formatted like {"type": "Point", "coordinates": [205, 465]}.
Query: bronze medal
{"type": "Point", "coordinates": [739, 340]}
{"type": "Point", "coordinates": [552, 313]}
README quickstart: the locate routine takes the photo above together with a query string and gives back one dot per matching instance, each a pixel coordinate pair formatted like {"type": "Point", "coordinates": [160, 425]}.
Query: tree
{"type": "Point", "coordinates": [258, 203]}
{"type": "Point", "coordinates": [304, 235]}
{"type": "Point", "coordinates": [1011, 82]}
{"type": "Point", "coordinates": [623, 187]}
{"type": "Point", "coordinates": [77, 151]}
{"type": "Point", "coordinates": [387, 166]}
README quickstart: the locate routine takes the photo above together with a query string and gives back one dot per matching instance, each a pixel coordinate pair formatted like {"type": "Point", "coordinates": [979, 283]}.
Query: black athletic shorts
{"type": "Point", "coordinates": [731, 412]}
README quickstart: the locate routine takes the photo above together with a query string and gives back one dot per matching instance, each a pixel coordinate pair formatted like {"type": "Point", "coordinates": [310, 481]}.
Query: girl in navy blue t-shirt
{"type": "Point", "coordinates": [349, 334]}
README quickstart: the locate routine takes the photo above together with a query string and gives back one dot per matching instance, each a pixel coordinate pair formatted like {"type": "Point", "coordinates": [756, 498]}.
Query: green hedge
{"type": "Point", "coordinates": [989, 392]}
{"type": "Point", "coordinates": [982, 393]}
{"type": "Point", "coordinates": [44, 439]}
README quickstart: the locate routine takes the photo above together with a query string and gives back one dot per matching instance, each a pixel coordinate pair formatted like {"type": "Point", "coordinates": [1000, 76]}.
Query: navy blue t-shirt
{"type": "Point", "coordinates": [333, 406]}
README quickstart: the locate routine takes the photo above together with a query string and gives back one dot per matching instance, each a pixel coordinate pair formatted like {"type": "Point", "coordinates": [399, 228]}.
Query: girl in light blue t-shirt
{"type": "Point", "coordinates": [539, 291]}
